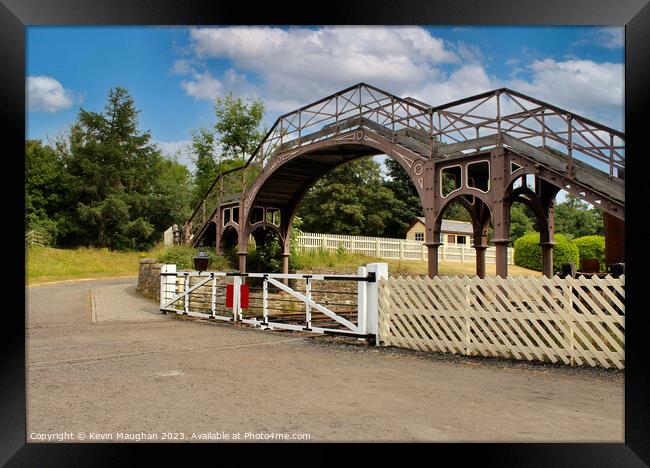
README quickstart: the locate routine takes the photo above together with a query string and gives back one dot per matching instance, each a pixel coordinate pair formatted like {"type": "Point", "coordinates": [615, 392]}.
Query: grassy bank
{"type": "Point", "coordinates": [46, 264]}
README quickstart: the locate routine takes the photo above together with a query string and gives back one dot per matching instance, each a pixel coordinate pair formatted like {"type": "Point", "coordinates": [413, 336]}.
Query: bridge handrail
{"type": "Point", "coordinates": [500, 111]}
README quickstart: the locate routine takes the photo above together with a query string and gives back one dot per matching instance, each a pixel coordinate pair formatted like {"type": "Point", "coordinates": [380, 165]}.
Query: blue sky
{"type": "Point", "coordinates": [175, 73]}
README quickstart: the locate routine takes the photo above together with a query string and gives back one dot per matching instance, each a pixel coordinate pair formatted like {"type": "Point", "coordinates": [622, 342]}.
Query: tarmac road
{"type": "Point", "coordinates": [119, 371]}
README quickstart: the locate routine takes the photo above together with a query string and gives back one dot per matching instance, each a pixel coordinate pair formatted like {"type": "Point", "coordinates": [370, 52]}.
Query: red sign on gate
{"type": "Point", "coordinates": [229, 295]}
{"type": "Point", "coordinates": [243, 296]}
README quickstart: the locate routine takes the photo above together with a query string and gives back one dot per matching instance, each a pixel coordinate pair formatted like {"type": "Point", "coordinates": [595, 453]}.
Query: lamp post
{"type": "Point", "coordinates": [201, 261]}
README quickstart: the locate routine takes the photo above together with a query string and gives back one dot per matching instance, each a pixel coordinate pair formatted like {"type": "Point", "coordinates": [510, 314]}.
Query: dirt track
{"type": "Point", "coordinates": [117, 372]}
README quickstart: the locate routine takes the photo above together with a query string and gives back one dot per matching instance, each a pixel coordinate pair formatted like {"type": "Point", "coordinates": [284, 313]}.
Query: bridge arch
{"type": "Point", "coordinates": [480, 216]}
{"type": "Point", "coordinates": [287, 178]}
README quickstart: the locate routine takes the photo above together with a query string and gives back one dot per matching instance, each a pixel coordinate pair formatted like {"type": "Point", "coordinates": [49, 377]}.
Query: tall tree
{"type": "Point", "coordinates": [238, 125]}
{"type": "Point", "coordinates": [351, 199]}
{"type": "Point", "coordinates": [115, 191]}
{"type": "Point", "coordinates": [234, 137]}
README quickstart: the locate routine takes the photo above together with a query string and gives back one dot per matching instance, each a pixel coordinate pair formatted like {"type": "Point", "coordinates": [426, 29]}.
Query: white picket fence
{"type": "Point", "coordinates": [389, 248]}
{"type": "Point", "coordinates": [568, 320]}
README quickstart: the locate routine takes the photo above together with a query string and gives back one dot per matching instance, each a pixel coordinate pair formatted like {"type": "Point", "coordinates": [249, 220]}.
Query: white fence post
{"type": "Point", "coordinates": [167, 283]}
{"type": "Point", "coordinates": [213, 296]}
{"type": "Point", "coordinates": [372, 298]}
{"type": "Point", "coordinates": [362, 301]}
{"type": "Point", "coordinates": [236, 289]}
{"type": "Point", "coordinates": [265, 299]}
{"type": "Point", "coordinates": [308, 304]}
{"type": "Point", "coordinates": [186, 286]}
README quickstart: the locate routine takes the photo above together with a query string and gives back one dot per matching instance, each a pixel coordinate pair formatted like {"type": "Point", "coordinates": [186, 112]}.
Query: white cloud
{"type": "Point", "coordinates": [204, 86]}
{"type": "Point", "coordinates": [182, 67]}
{"type": "Point", "coordinates": [611, 38]}
{"type": "Point", "coordinates": [46, 94]}
{"type": "Point", "coordinates": [585, 87]}
{"type": "Point", "coordinates": [465, 81]}
{"type": "Point", "coordinates": [297, 64]}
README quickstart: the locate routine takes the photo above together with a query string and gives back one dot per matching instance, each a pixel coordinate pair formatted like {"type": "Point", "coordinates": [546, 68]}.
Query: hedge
{"type": "Point", "coordinates": [592, 247]}
{"type": "Point", "coordinates": [528, 252]}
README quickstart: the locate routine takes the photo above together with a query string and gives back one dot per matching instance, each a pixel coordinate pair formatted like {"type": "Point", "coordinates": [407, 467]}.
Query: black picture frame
{"type": "Point", "coordinates": [15, 15]}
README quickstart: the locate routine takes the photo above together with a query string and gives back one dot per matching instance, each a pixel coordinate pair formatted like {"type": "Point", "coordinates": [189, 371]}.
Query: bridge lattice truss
{"type": "Point", "coordinates": [589, 157]}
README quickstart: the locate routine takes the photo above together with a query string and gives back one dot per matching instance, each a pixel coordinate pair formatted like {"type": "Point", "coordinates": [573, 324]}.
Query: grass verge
{"type": "Point", "coordinates": [45, 264]}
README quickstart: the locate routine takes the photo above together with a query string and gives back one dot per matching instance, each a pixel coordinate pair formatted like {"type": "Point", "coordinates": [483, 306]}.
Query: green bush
{"type": "Point", "coordinates": [592, 247]}
{"type": "Point", "coordinates": [528, 252]}
{"type": "Point", "coordinates": [45, 229]}
{"type": "Point", "coordinates": [182, 256]}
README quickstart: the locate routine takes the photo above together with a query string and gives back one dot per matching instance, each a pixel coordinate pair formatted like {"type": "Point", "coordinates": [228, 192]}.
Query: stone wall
{"type": "Point", "coordinates": [149, 278]}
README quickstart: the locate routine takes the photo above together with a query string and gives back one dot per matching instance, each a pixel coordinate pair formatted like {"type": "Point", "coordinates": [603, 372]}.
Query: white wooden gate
{"type": "Point", "coordinates": [205, 295]}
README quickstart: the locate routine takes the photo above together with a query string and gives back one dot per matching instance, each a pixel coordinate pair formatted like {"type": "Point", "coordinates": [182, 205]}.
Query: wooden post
{"type": "Point", "coordinates": [480, 260]}
{"type": "Point", "coordinates": [468, 320]}
{"type": "Point", "coordinates": [501, 254]}
{"type": "Point", "coordinates": [547, 258]}
{"type": "Point", "coordinates": [432, 258]}
{"type": "Point", "coordinates": [378, 249]}
{"type": "Point", "coordinates": [401, 250]}
{"type": "Point", "coordinates": [568, 309]}
{"type": "Point", "coordinates": [285, 267]}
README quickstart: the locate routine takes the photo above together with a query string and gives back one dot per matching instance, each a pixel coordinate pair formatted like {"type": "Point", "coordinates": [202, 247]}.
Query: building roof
{"type": "Point", "coordinates": [448, 225]}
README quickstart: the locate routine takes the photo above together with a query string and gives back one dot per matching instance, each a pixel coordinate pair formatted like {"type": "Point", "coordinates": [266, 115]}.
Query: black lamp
{"type": "Point", "coordinates": [201, 261]}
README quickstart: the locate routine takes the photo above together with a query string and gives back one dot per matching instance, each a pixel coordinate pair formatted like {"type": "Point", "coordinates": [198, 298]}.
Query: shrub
{"type": "Point", "coordinates": [528, 252]}
{"type": "Point", "coordinates": [45, 230]}
{"type": "Point", "coordinates": [182, 256]}
{"type": "Point", "coordinates": [592, 247]}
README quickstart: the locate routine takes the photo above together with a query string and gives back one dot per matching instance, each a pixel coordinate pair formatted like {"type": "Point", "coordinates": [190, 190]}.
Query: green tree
{"type": "Point", "coordinates": [45, 186]}
{"type": "Point", "coordinates": [238, 125]}
{"type": "Point", "coordinates": [171, 201]}
{"type": "Point", "coordinates": [522, 220]}
{"type": "Point", "coordinates": [574, 218]}
{"type": "Point", "coordinates": [234, 137]}
{"type": "Point", "coordinates": [351, 199]}
{"type": "Point", "coordinates": [203, 155]}
{"type": "Point", "coordinates": [119, 194]}
{"type": "Point", "coordinates": [406, 206]}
